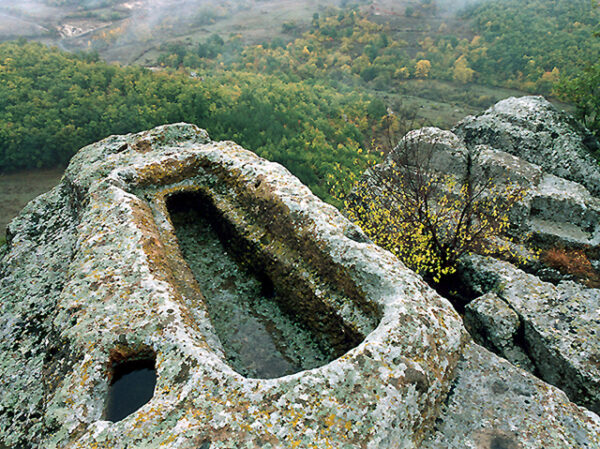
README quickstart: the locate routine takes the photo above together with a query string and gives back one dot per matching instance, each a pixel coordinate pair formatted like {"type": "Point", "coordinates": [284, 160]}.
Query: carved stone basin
{"type": "Point", "coordinates": [272, 320]}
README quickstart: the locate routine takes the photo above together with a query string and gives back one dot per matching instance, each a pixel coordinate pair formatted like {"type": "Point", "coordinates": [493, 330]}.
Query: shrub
{"type": "Point", "coordinates": [429, 219]}
{"type": "Point", "coordinates": [573, 262]}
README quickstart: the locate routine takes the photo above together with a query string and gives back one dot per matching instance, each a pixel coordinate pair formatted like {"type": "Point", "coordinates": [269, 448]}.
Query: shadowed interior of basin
{"type": "Point", "coordinates": [260, 335]}
{"type": "Point", "coordinates": [132, 386]}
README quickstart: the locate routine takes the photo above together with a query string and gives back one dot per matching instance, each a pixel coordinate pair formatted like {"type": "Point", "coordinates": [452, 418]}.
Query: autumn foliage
{"type": "Point", "coordinates": [429, 219]}
{"type": "Point", "coordinates": [573, 262]}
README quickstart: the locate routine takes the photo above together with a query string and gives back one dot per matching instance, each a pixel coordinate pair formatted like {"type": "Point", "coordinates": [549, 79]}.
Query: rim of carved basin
{"type": "Point", "coordinates": [275, 313]}
{"type": "Point", "coordinates": [392, 383]}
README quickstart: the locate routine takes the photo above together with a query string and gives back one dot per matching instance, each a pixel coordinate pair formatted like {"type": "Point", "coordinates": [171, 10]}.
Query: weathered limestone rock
{"type": "Point", "coordinates": [494, 405]}
{"type": "Point", "coordinates": [564, 212]}
{"type": "Point", "coordinates": [33, 354]}
{"type": "Point", "coordinates": [444, 150]}
{"type": "Point", "coordinates": [554, 212]}
{"type": "Point", "coordinates": [138, 254]}
{"type": "Point", "coordinates": [560, 327]}
{"type": "Point", "coordinates": [492, 323]}
{"type": "Point", "coordinates": [550, 330]}
{"type": "Point", "coordinates": [96, 276]}
{"type": "Point", "coordinates": [532, 129]}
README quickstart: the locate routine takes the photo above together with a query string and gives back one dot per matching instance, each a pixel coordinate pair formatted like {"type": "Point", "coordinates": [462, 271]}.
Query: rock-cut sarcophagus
{"type": "Point", "coordinates": [251, 313]}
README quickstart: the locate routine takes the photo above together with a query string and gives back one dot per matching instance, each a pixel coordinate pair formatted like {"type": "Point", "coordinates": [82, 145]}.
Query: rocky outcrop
{"type": "Point", "coordinates": [495, 405]}
{"type": "Point", "coordinates": [548, 329]}
{"type": "Point", "coordinates": [532, 129]}
{"type": "Point", "coordinates": [563, 212]}
{"type": "Point", "coordinates": [34, 356]}
{"type": "Point", "coordinates": [557, 326]}
{"type": "Point", "coordinates": [101, 274]}
{"type": "Point", "coordinates": [493, 323]}
{"type": "Point", "coordinates": [554, 211]}
{"type": "Point", "coordinates": [259, 316]}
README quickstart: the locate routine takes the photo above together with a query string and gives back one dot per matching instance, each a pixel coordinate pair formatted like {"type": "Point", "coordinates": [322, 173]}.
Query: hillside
{"type": "Point", "coordinates": [321, 89]}
{"type": "Point", "coordinates": [56, 102]}
{"type": "Point", "coordinates": [130, 31]}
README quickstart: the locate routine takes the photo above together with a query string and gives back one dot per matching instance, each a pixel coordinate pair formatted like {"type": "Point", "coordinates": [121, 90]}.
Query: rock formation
{"type": "Point", "coordinates": [495, 405]}
{"type": "Point", "coordinates": [557, 326]}
{"type": "Point", "coordinates": [535, 131]}
{"type": "Point", "coordinates": [549, 330]}
{"type": "Point", "coordinates": [102, 274]}
{"type": "Point", "coordinates": [259, 316]}
{"type": "Point", "coordinates": [553, 212]}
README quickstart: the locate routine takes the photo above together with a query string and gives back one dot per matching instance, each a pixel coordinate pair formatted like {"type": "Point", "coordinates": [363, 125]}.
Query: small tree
{"type": "Point", "coordinates": [430, 219]}
{"type": "Point", "coordinates": [422, 68]}
{"type": "Point", "coordinates": [462, 72]}
{"type": "Point", "coordinates": [584, 92]}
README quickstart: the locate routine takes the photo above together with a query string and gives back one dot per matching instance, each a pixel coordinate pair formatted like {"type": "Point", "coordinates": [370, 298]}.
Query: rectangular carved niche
{"type": "Point", "coordinates": [259, 309]}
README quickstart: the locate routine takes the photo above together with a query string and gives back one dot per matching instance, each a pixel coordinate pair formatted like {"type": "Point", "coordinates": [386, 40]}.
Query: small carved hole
{"type": "Point", "coordinates": [131, 387]}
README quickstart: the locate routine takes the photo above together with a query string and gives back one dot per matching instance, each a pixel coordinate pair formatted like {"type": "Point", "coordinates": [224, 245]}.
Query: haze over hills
{"type": "Point", "coordinates": [129, 31]}
{"type": "Point", "coordinates": [125, 31]}
{"type": "Point", "coordinates": [304, 83]}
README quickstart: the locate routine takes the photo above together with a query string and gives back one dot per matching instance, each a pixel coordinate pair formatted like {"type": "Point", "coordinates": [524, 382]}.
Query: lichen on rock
{"type": "Point", "coordinates": [532, 129]}
{"type": "Point", "coordinates": [559, 328]}
{"type": "Point", "coordinates": [495, 405]}
{"type": "Point", "coordinates": [150, 245]}
{"type": "Point", "coordinates": [494, 324]}
{"type": "Point", "coordinates": [547, 329]}
{"type": "Point", "coordinates": [95, 275]}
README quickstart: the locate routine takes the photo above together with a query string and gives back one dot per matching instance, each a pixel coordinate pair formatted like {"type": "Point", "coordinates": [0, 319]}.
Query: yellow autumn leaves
{"type": "Point", "coordinates": [429, 220]}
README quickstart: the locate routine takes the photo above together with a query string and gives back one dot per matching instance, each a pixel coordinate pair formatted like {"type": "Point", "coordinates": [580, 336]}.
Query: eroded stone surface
{"type": "Point", "coordinates": [34, 356]}
{"type": "Point", "coordinates": [532, 129]}
{"type": "Point", "coordinates": [560, 324]}
{"type": "Point", "coordinates": [492, 323]}
{"type": "Point", "coordinates": [258, 338]}
{"type": "Point", "coordinates": [94, 275]}
{"type": "Point", "coordinates": [494, 405]}
{"type": "Point", "coordinates": [550, 330]}
{"type": "Point", "coordinates": [554, 212]}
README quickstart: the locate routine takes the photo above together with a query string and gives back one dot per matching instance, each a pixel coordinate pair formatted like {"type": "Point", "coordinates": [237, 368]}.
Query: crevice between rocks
{"type": "Point", "coordinates": [520, 343]}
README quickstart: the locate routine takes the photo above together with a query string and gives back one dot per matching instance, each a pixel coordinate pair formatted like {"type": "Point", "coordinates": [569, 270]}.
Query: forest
{"type": "Point", "coordinates": [527, 45]}
{"type": "Point", "coordinates": [53, 103]}
{"type": "Point", "coordinates": [316, 103]}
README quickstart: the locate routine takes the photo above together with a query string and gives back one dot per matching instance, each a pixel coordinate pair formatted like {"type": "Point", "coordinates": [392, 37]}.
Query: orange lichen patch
{"type": "Point", "coordinates": [142, 146]}
{"type": "Point", "coordinates": [151, 242]}
{"type": "Point", "coordinates": [167, 171]}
